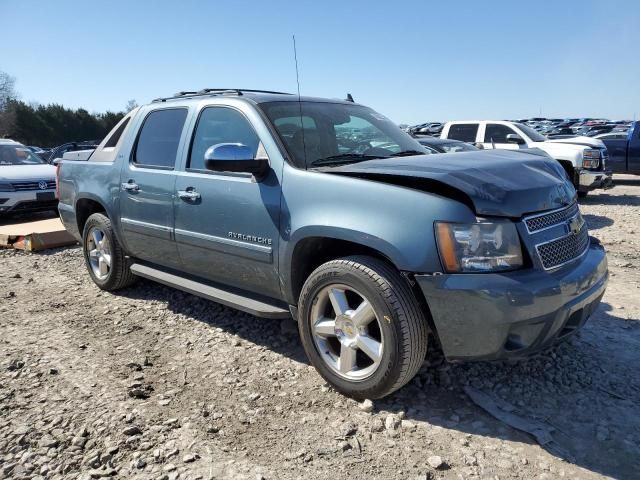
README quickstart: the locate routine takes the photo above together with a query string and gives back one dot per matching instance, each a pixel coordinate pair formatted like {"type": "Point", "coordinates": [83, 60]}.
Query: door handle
{"type": "Point", "coordinates": [189, 194]}
{"type": "Point", "coordinates": [130, 186]}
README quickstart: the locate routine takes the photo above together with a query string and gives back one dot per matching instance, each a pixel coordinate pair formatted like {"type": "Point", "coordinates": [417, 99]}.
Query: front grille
{"type": "Point", "coordinates": [547, 220]}
{"type": "Point", "coordinates": [562, 250]}
{"type": "Point", "coordinates": [24, 186]}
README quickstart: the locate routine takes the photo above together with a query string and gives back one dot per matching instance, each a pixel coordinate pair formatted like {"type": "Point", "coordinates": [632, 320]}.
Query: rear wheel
{"type": "Point", "coordinates": [103, 255]}
{"type": "Point", "coordinates": [362, 327]}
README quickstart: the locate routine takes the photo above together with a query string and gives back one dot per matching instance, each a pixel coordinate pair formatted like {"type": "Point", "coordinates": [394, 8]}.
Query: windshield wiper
{"type": "Point", "coordinates": [408, 153]}
{"type": "Point", "coordinates": [344, 158]}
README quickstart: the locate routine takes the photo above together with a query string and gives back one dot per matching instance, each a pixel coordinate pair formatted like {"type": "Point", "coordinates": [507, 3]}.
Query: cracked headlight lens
{"type": "Point", "coordinates": [478, 247]}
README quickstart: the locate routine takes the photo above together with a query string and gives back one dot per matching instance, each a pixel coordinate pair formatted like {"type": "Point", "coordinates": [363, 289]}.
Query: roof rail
{"type": "Point", "coordinates": [216, 91]}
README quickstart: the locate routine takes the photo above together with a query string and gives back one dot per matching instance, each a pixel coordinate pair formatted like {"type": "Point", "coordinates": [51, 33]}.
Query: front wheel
{"type": "Point", "coordinates": [103, 255]}
{"type": "Point", "coordinates": [361, 326]}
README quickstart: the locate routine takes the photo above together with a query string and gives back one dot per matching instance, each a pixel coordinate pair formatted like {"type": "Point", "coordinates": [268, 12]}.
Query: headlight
{"type": "Point", "coordinates": [478, 247]}
{"type": "Point", "coordinates": [591, 158]}
{"type": "Point", "coordinates": [6, 187]}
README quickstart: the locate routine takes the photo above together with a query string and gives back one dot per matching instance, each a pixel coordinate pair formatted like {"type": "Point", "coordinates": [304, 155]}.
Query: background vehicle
{"type": "Point", "coordinates": [325, 210]}
{"type": "Point", "coordinates": [27, 183]}
{"type": "Point", "coordinates": [86, 147]}
{"type": "Point", "coordinates": [584, 159]}
{"type": "Point", "coordinates": [439, 145]}
{"type": "Point", "coordinates": [624, 150]}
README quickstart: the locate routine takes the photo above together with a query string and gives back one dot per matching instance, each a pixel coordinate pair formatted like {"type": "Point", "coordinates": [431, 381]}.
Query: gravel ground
{"type": "Point", "coordinates": [155, 383]}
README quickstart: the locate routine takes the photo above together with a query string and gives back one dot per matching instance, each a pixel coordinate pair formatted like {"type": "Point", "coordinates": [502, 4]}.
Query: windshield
{"type": "Point", "coordinates": [318, 134]}
{"type": "Point", "coordinates": [531, 133]}
{"type": "Point", "coordinates": [17, 154]}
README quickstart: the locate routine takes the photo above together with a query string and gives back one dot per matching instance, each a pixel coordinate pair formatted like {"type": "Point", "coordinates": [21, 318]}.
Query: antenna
{"type": "Point", "coordinates": [295, 57]}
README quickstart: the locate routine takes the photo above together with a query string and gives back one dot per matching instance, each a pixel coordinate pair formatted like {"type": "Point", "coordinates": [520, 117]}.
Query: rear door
{"type": "Point", "coordinates": [227, 224]}
{"type": "Point", "coordinates": [465, 132]}
{"type": "Point", "coordinates": [496, 134]}
{"type": "Point", "coordinates": [147, 185]}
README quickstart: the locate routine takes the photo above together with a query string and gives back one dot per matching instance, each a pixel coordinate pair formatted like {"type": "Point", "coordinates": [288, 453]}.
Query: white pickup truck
{"type": "Point", "coordinates": [583, 158]}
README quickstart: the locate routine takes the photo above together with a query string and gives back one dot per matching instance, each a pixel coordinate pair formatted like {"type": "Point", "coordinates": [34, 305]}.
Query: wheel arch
{"type": "Point", "coordinates": [310, 252]}
{"type": "Point", "coordinates": [88, 204]}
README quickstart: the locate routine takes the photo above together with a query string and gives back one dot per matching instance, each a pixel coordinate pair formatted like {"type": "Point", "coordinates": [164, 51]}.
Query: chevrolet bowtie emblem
{"type": "Point", "coordinates": [575, 224]}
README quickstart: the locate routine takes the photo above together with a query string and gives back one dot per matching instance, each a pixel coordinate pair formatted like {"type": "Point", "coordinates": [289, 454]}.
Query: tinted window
{"type": "Point", "coordinates": [113, 140]}
{"type": "Point", "coordinates": [159, 138]}
{"type": "Point", "coordinates": [220, 125]}
{"type": "Point", "coordinates": [497, 132]}
{"type": "Point", "coordinates": [465, 132]}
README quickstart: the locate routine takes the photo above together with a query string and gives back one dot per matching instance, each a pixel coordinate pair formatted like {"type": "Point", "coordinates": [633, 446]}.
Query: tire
{"type": "Point", "coordinates": [582, 194]}
{"type": "Point", "coordinates": [398, 325]}
{"type": "Point", "coordinates": [117, 275]}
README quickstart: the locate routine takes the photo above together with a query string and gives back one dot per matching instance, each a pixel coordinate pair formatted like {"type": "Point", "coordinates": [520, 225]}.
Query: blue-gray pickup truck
{"type": "Point", "coordinates": [326, 211]}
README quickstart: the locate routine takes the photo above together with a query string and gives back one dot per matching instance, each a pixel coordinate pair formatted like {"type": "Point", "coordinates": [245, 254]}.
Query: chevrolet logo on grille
{"type": "Point", "coordinates": [575, 224]}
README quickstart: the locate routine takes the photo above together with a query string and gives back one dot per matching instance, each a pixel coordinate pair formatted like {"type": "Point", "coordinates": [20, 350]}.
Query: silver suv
{"type": "Point", "coordinates": [27, 183]}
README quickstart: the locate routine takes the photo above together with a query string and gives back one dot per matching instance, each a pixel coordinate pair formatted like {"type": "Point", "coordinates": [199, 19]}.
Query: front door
{"type": "Point", "coordinates": [495, 134]}
{"type": "Point", "coordinates": [147, 186]}
{"type": "Point", "coordinates": [227, 224]}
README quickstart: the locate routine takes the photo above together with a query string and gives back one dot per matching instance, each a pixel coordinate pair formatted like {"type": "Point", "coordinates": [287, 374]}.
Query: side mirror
{"type": "Point", "coordinates": [515, 138]}
{"type": "Point", "coordinates": [235, 157]}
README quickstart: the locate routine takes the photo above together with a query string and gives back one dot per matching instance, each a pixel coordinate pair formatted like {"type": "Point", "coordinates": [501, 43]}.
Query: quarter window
{"type": "Point", "coordinates": [496, 132]}
{"type": "Point", "coordinates": [465, 132]}
{"type": "Point", "coordinates": [220, 125]}
{"type": "Point", "coordinates": [115, 137]}
{"type": "Point", "coordinates": [159, 137]}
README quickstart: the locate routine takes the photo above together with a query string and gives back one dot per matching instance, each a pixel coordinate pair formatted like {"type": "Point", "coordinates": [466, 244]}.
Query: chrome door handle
{"type": "Point", "coordinates": [130, 186]}
{"type": "Point", "coordinates": [189, 194]}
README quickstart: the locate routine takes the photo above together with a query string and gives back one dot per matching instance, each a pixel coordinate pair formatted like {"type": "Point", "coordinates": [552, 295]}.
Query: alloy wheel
{"type": "Point", "coordinates": [99, 253]}
{"type": "Point", "coordinates": [347, 332]}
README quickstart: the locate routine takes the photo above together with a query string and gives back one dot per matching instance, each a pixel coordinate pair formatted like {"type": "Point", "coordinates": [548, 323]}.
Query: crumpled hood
{"type": "Point", "coordinates": [10, 173]}
{"type": "Point", "coordinates": [503, 183]}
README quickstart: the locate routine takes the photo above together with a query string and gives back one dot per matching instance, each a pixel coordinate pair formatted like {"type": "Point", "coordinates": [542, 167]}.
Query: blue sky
{"type": "Point", "coordinates": [413, 61]}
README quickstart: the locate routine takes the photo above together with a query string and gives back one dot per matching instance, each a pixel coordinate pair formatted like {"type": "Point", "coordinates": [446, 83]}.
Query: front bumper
{"type": "Point", "coordinates": [27, 201]}
{"type": "Point", "coordinates": [493, 316]}
{"type": "Point", "coordinates": [591, 179]}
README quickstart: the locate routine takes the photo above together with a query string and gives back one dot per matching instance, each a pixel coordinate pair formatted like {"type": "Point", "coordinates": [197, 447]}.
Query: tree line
{"type": "Point", "coordinates": [50, 125]}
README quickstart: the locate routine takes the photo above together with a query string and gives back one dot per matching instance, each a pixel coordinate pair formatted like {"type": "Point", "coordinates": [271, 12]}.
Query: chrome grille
{"type": "Point", "coordinates": [35, 185]}
{"type": "Point", "coordinates": [562, 250]}
{"type": "Point", "coordinates": [551, 219]}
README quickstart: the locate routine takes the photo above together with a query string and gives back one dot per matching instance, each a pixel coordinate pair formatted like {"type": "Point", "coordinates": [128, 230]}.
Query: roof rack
{"type": "Point", "coordinates": [216, 91]}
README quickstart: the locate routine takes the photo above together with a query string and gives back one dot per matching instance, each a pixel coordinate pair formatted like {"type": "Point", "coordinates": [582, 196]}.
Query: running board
{"type": "Point", "coordinates": [230, 299]}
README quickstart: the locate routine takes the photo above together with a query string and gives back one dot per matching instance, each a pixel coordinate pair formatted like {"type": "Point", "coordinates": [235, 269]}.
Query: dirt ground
{"type": "Point", "coordinates": [156, 383]}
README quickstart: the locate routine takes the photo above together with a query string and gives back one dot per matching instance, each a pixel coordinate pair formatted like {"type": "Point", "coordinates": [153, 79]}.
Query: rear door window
{"type": "Point", "coordinates": [465, 132]}
{"type": "Point", "coordinates": [497, 133]}
{"type": "Point", "coordinates": [159, 137]}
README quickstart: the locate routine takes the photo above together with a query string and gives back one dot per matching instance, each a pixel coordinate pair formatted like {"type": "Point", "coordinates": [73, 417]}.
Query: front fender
{"type": "Point", "coordinates": [393, 220]}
